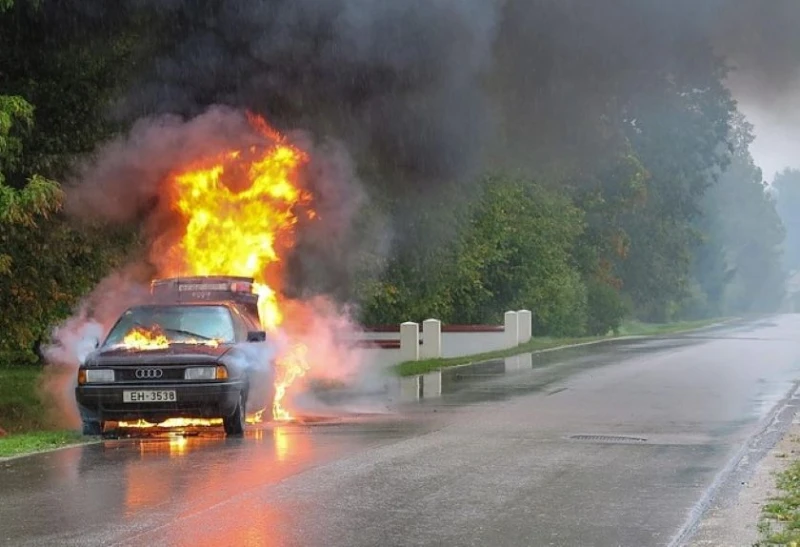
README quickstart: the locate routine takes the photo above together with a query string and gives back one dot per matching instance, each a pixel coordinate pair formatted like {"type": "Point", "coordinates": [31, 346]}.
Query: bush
{"type": "Point", "coordinates": [606, 309]}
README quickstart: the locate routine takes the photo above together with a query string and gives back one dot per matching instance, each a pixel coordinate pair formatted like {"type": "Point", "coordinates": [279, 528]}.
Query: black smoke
{"type": "Point", "coordinates": [396, 81]}
{"type": "Point", "coordinates": [412, 99]}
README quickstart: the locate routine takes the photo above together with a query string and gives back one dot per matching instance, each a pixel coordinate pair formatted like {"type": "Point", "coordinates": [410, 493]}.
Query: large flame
{"type": "Point", "coordinates": [171, 423]}
{"type": "Point", "coordinates": [144, 339]}
{"type": "Point", "coordinates": [140, 338]}
{"type": "Point", "coordinates": [239, 210]}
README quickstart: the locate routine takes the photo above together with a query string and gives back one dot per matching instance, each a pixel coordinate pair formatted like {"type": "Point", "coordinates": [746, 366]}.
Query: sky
{"type": "Point", "coordinates": [777, 128]}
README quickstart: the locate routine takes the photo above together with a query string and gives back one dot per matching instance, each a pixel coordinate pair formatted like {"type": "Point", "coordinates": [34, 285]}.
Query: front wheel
{"type": "Point", "coordinates": [234, 424]}
{"type": "Point", "coordinates": [92, 428]}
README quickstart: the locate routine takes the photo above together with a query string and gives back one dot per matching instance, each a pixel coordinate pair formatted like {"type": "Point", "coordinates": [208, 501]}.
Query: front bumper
{"type": "Point", "coordinates": [193, 400]}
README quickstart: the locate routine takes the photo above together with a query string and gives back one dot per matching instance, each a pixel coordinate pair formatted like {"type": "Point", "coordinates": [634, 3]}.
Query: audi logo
{"type": "Point", "coordinates": [149, 373]}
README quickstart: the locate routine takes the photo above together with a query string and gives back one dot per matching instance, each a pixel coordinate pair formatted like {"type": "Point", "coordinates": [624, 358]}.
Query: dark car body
{"type": "Point", "coordinates": [153, 384]}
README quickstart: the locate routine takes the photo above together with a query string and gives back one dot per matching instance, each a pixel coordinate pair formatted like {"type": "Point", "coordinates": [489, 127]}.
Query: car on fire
{"type": "Point", "coordinates": [187, 353]}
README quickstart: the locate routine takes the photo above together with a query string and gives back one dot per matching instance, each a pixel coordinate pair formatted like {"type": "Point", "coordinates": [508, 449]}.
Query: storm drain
{"type": "Point", "coordinates": [608, 439]}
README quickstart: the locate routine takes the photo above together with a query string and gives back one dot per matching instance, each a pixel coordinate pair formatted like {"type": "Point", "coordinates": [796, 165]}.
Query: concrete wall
{"type": "Point", "coordinates": [382, 358]}
{"type": "Point", "coordinates": [412, 341]}
{"type": "Point", "coordinates": [457, 344]}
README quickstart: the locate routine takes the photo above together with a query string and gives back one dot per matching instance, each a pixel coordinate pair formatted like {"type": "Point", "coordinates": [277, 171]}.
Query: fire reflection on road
{"type": "Point", "coordinates": [220, 468]}
{"type": "Point", "coordinates": [282, 443]}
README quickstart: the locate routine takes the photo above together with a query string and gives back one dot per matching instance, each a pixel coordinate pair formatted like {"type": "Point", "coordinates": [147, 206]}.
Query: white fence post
{"type": "Point", "coordinates": [511, 325]}
{"type": "Point", "coordinates": [525, 320]}
{"type": "Point", "coordinates": [431, 339]}
{"type": "Point", "coordinates": [409, 388]}
{"type": "Point", "coordinates": [409, 341]}
{"type": "Point", "coordinates": [432, 384]}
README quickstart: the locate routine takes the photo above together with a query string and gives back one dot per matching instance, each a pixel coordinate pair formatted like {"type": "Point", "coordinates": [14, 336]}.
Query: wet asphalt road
{"type": "Point", "coordinates": [491, 463]}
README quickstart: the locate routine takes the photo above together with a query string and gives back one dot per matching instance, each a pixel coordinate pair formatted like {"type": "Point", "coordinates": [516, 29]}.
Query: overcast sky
{"type": "Point", "coordinates": [777, 128]}
{"type": "Point", "coordinates": [775, 113]}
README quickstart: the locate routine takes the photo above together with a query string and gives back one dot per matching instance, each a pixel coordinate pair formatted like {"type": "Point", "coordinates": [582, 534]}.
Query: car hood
{"type": "Point", "coordinates": [174, 354]}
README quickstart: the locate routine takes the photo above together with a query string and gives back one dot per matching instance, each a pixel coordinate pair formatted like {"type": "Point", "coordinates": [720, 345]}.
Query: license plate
{"type": "Point", "coordinates": [149, 396]}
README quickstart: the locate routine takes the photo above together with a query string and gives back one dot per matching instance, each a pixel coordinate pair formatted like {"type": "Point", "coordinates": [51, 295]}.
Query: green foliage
{"type": "Point", "coordinates": [606, 309]}
{"type": "Point", "coordinates": [37, 441]}
{"type": "Point", "coordinates": [39, 198]}
{"type": "Point", "coordinates": [56, 85]}
{"type": "Point", "coordinates": [53, 265]}
{"type": "Point", "coordinates": [679, 132]}
{"type": "Point", "coordinates": [780, 524]}
{"type": "Point", "coordinates": [13, 111]}
{"type": "Point", "coordinates": [20, 408]}
{"type": "Point", "coordinates": [514, 252]}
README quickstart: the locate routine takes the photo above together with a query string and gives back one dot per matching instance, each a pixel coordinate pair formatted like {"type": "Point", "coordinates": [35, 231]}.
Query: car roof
{"type": "Point", "coordinates": [238, 306]}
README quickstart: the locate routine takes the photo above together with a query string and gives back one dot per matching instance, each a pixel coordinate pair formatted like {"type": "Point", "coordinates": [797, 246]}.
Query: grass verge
{"type": "Point", "coordinates": [21, 409]}
{"type": "Point", "coordinates": [634, 328]}
{"type": "Point", "coordinates": [23, 416]}
{"type": "Point", "coordinates": [36, 441]}
{"type": "Point", "coordinates": [781, 521]}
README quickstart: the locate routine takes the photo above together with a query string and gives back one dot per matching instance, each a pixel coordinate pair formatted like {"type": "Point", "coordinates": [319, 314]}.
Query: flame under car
{"type": "Point", "coordinates": [183, 356]}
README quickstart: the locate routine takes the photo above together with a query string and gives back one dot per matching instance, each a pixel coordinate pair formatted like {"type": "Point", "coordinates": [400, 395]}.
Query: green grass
{"type": "Point", "coordinates": [781, 522]}
{"type": "Point", "coordinates": [20, 407]}
{"type": "Point", "coordinates": [636, 328]}
{"type": "Point", "coordinates": [411, 368]}
{"type": "Point", "coordinates": [35, 441]}
{"type": "Point", "coordinates": [23, 416]}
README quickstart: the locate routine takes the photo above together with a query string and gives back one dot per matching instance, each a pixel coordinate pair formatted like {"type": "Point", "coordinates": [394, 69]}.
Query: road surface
{"type": "Point", "coordinates": [661, 426]}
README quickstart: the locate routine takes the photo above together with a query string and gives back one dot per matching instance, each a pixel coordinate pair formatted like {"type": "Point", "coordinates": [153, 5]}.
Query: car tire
{"type": "Point", "coordinates": [235, 423]}
{"type": "Point", "coordinates": [92, 428]}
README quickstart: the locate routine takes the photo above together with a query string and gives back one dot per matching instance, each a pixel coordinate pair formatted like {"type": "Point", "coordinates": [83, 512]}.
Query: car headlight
{"type": "Point", "coordinates": [218, 372]}
{"type": "Point", "coordinates": [99, 375]}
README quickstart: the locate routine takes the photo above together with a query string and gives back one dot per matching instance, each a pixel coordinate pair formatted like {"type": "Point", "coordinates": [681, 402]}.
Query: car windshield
{"type": "Point", "coordinates": [178, 324]}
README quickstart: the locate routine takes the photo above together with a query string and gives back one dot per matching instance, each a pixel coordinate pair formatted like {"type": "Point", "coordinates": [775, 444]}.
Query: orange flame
{"type": "Point", "coordinates": [140, 338]}
{"type": "Point", "coordinates": [144, 339]}
{"type": "Point", "coordinates": [172, 422]}
{"type": "Point", "coordinates": [239, 215]}
{"type": "Point", "coordinates": [291, 366]}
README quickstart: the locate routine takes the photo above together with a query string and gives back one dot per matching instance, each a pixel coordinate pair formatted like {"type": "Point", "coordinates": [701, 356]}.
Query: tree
{"type": "Point", "coordinates": [737, 261]}
{"type": "Point", "coordinates": [678, 127]}
{"type": "Point", "coordinates": [787, 190]}
{"type": "Point", "coordinates": [514, 251]}
{"type": "Point", "coordinates": [57, 78]}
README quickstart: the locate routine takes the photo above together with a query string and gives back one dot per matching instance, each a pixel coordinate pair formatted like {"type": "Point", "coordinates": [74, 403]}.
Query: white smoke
{"type": "Point", "coordinates": [341, 376]}
{"type": "Point", "coordinates": [74, 340]}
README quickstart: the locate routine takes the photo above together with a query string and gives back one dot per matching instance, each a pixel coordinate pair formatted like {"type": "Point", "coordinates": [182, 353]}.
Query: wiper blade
{"type": "Point", "coordinates": [188, 333]}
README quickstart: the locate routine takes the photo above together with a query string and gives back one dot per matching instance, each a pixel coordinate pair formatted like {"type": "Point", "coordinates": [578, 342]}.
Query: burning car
{"type": "Point", "coordinates": [188, 354]}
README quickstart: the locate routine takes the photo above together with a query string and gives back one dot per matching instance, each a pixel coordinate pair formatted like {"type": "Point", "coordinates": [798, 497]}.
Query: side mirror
{"type": "Point", "coordinates": [257, 336]}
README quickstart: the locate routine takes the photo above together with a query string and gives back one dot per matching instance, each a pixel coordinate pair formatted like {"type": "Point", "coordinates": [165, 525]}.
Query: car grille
{"type": "Point", "coordinates": [168, 374]}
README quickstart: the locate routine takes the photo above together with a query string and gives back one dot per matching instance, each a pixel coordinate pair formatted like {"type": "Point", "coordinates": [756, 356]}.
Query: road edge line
{"type": "Point", "coordinates": [701, 506]}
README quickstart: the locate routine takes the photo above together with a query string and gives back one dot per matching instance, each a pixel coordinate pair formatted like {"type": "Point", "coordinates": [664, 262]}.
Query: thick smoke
{"type": "Point", "coordinates": [423, 95]}
{"type": "Point", "coordinates": [761, 41]}
{"type": "Point", "coordinates": [124, 179]}
{"type": "Point", "coordinates": [396, 81]}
